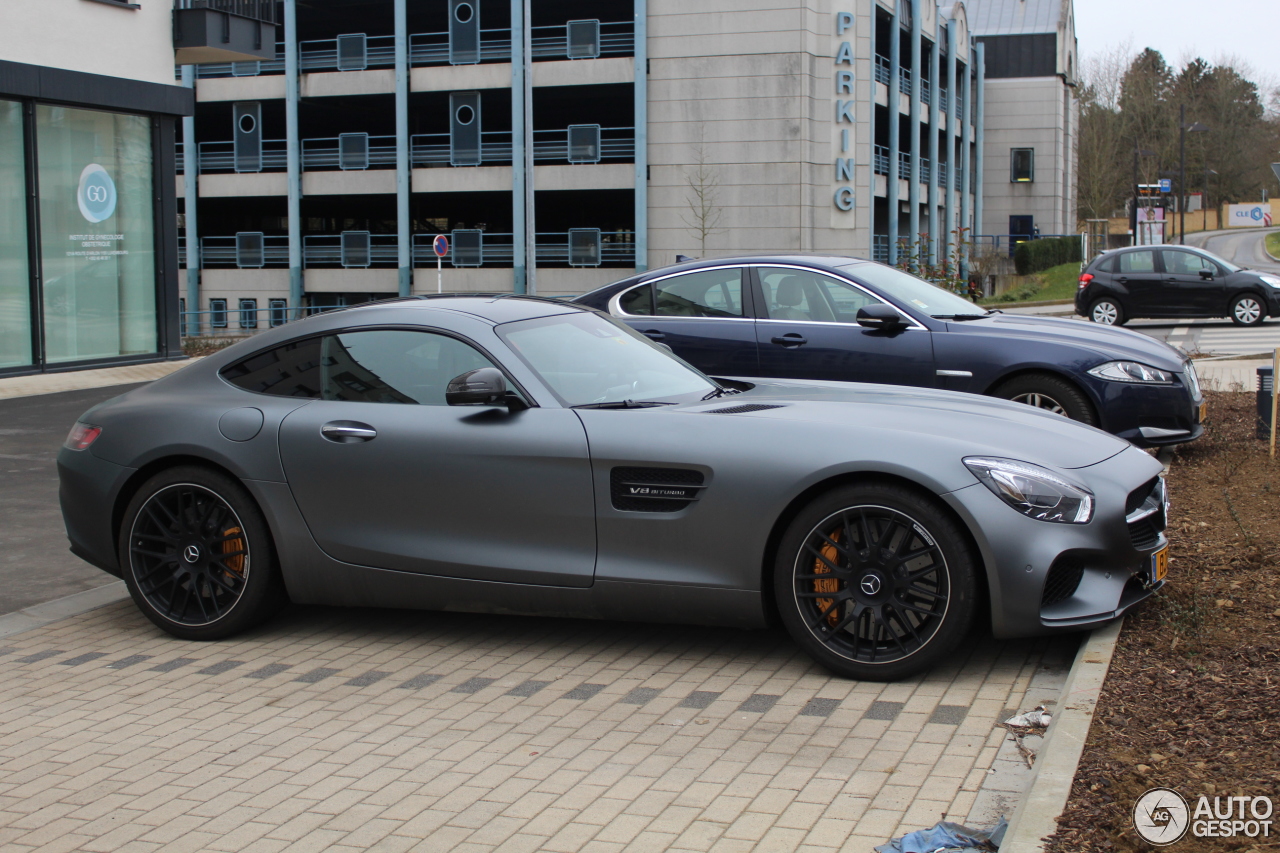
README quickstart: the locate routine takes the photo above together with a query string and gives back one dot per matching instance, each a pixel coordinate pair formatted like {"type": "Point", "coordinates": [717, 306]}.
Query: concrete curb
{"type": "Point", "coordinates": [1037, 816]}
{"type": "Point", "coordinates": [39, 615]}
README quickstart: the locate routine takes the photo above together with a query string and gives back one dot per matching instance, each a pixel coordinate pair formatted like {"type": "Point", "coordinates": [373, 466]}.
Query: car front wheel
{"type": "Point", "coordinates": [874, 581]}
{"type": "Point", "coordinates": [1247, 310]}
{"type": "Point", "coordinates": [1107, 312]}
{"type": "Point", "coordinates": [1049, 393]}
{"type": "Point", "coordinates": [197, 555]}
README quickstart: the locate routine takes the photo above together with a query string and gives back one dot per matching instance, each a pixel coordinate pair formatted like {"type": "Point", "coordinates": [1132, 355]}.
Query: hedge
{"type": "Point", "coordinates": [1036, 255]}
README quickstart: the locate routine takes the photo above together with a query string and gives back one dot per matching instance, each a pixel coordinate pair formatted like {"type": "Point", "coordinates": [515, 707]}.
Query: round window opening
{"type": "Point", "coordinates": [465, 114]}
{"type": "Point", "coordinates": [463, 12]}
{"type": "Point", "coordinates": [247, 123]}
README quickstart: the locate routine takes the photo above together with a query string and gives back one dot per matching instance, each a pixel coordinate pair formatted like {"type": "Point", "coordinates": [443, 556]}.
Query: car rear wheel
{"type": "Point", "coordinates": [1247, 310]}
{"type": "Point", "coordinates": [875, 581]}
{"type": "Point", "coordinates": [1049, 393]}
{"type": "Point", "coordinates": [197, 555]}
{"type": "Point", "coordinates": [1107, 312]}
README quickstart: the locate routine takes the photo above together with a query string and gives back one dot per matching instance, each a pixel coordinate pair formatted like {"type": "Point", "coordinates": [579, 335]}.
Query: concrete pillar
{"type": "Point", "coordinates": [641, 51]}
{"type": "Point", "coordinates": [404, 229]}
{"type": "Point", "coordinates": [519, 248]}
{"type": "Point", "coordinates": [191, 195]}
{"type": "Point", "coordinates": [952, 132]}
{"type": "Point", "coordinates": [895, 93]}
{"type": "Point", "coordinates": [978, 137]}
{"type": "Point", "coordinates": [293, 155]}
{"type": "Point", "coordinates": [913, 183]}
{"type": "Point", "coordinates": [935, 92]}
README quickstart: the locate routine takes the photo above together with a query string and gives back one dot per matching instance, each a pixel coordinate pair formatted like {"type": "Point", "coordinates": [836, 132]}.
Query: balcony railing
{"type": "Point", "coordinates": [616, 38]}
{"type": "Point", "coordinates": [881, 160]}
{"type": "Point", "coordinates": [942, 100]}
{"type": "Point", "coordinates": [925, 166]}
{"type": "Point", "coordinates": [904, 165]}
{"type": "Point", "coordinates": [904, 80]}
{"type": "Point", "coordinates": [616, 144]}
{"type": "Point", "coordinates": [880, 248]}
{"type": "Point", "coordinates": [258, 10]}
{"type": "Point", "coordinates": [926, 91]}
{"type": "Point", "coordinates": [882, 69]}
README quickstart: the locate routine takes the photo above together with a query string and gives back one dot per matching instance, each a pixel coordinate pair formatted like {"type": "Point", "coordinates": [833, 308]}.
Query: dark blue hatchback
{"type": "Point", "coordinates": [836, 318]}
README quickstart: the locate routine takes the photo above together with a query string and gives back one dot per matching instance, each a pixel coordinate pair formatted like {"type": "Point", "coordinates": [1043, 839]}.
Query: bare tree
{"type": "Point", "coordinates": [705, 212]}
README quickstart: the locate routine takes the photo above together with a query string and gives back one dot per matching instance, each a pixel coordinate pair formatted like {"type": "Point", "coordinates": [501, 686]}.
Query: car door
{"type": "Point", "coordinates": [387, 475]}
{"type": "Point", "coordinates": [1195, 283]}
{"type": "Point", "coordinates": [1137, 276]}
{"type": "Point", "coordinates": [703, 315]}
{"type": "Point", "coordinates": [807, 329]}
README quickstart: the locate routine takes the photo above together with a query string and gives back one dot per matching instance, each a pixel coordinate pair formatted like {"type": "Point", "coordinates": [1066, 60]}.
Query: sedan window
{"type": "Point", "coordinates": [708, 293]}
{"type": "Point", "coordinates": [793, 294]}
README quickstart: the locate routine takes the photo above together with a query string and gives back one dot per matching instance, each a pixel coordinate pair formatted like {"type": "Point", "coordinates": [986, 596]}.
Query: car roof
{"type": "Point", "coordinates": [494, 307]}
{"type": "Point", "coordinates": [812, 259]}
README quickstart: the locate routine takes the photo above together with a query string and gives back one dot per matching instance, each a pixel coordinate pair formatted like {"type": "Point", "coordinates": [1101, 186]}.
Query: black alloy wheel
{"type": "Point", "coordinates": [1107, 312]}
{"type": "Point", "coordinates": [1247, 310]}
{"type": "Point", "coordinates": [1050, 393]}
{"type": "Point", "coordinates": [875, 581]}
{"type": "Point", "coordinates": [197, 555]}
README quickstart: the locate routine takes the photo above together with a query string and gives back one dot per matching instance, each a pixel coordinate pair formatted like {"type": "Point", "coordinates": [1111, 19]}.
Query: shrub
{"type": "Point", "coordinates": [1036, 255]}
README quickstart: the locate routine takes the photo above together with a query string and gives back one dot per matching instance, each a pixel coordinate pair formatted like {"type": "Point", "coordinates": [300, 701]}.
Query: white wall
{"type": "Point", "coordinates": [81, 35]}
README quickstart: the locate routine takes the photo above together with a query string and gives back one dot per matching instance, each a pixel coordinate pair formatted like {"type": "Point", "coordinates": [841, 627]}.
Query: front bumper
{"type": "Point", "coordinates": [1150, 415]}
{"type": "Point", "coordinates": [1045, 578]}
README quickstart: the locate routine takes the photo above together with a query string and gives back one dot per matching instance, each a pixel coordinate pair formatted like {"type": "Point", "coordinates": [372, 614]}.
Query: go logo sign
{"type": "Point", "coordinates": [96, 194]}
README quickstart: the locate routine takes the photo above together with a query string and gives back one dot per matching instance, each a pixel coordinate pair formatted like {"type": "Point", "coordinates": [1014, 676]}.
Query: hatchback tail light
{"type": "Point", "coordinates": [81, 436]}
{"type": "Point", "coordinates": [1085, 279]}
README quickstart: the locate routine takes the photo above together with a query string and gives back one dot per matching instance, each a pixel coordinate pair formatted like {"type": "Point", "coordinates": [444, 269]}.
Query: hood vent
{"type": "Point", "coordinates": [654, 489]}
{"type": "Point", "coordinates": [744, 408]}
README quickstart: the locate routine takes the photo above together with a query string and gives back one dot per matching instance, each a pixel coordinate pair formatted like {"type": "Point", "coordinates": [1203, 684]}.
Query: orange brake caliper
{"type": "Point", "coordinates": [235, 565]}
{"type": "Point", "coordinates": [832, 585]}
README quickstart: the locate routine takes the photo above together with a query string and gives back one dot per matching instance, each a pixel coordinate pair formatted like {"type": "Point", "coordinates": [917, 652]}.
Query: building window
{"type": "Point", "coordinates": [279, 311]}
{"type": "Point", "coordinates": [248, 313]}
{"type": "Point", "coordinates": [1022, 165]}
{"type": "Point", "coordinates": [218, 313]}
{"type": "Point", "coordinates": [15, 292]}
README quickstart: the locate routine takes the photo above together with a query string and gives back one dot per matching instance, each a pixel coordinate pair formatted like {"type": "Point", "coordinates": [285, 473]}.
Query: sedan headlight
{"type": "Point", "coordinates": [1033, 491]}
{"type": "Point", "coordinates": [1131, 371]}
{"type": "Point", "coordinates": [1271, 280]}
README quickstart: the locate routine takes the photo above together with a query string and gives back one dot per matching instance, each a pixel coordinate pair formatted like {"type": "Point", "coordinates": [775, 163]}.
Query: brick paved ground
{"type": "Point", "coordinates": [362, 730]}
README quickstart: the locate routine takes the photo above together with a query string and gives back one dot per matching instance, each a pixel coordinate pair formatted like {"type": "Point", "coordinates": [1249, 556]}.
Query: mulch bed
{"type": "Point", "coordinates": [1192, 701]}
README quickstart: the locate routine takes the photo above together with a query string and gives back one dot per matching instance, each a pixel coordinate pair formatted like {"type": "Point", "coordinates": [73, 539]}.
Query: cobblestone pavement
{"type": "Point", "coordinates": [371, 730]}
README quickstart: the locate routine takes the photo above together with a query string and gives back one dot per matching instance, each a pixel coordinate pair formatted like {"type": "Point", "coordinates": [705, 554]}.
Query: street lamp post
{"type": "Point", "coordinates": [1204, 196]}
{"type": "Point", "coordinates": [1183, 127]}
{"type": "Point", "coordinates": [1133, 211]}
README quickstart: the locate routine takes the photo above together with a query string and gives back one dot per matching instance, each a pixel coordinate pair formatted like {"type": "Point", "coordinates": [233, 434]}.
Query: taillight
{"type": "Point", "coordinates": [1085, 279]}
{"type": "Point", "coordinates": [81, 436]}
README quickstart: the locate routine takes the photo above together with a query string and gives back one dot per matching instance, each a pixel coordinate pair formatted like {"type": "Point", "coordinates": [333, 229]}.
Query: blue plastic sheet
{"type": "Point", "coordinates": [945, 837]}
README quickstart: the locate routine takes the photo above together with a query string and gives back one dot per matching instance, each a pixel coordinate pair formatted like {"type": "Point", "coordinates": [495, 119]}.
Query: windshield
{"type": "Point", "coordinates": [914, 292]}
{"type": "Point", "coordinates": [589, 359]}
{"type": "Point", "coordinates": [1227, 265]}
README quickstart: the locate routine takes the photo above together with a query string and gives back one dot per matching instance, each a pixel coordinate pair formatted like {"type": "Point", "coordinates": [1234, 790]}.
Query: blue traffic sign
{"type": "Point", "coordinates": [441, 245]}
{"type": "Point", "coordinates": [1166, 185]}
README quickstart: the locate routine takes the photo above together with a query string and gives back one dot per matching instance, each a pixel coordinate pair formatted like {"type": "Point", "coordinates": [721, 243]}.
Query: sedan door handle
{"type": "Point", "coordinates": [654, 335]}
{"type": "Point", "coordinates": [791, 339]}
{"type": "Point", "coordinates": [348, 432]}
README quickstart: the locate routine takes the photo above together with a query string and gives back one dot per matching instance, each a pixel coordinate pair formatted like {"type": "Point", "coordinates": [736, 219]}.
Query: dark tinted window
{"type": "Point", "coordinates": [292, 370]}
{"type": "Point", "coordinates": [710, 293]}
{"type": "Point", "coordinates": [1177, 262]}
{"type": "Point", "coordinates": [1143, 261]}
{"type": "Point", "coordinates": [638, 301]}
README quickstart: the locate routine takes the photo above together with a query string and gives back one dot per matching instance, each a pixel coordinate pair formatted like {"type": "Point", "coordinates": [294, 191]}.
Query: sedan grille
{"type": "Point", "coordinates": [654, 489]}
{"type": "Point", "coordinates": [1145, 513]}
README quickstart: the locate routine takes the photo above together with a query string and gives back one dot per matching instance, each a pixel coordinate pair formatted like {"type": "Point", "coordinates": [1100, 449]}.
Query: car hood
{"type": "Point", "coordinates": [1108, 342]}
{"type": "Point", "coordinates": [980, 425]}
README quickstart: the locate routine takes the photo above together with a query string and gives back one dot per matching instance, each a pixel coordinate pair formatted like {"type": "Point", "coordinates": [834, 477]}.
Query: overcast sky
{"type": "Point", "coordinates": [1183, 29]}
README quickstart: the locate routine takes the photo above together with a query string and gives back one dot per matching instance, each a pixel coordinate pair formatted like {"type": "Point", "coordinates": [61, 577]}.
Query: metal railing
{"type": "Point", "coordinates": [880, 248]}
{"type": "Point", "coordinates": [926, 91]}
{"type": "Point", "coordinates": [943, 100]}
{"type": "Point", "coordinates": [904, 165]}
{"type": "Point", "coordinates": [235, 321]}
{"type": "Point", "coordinates": [258, 10]}
{"type": "Point", "coordinates": [904, 80]}
{"type": "Point", "coordinates": [925, 165]}
{"type": "Point", "coordinates": [882, 69]}
{"type": "Point", "coordinates": [880, 161]}
{"type": "Point", "coordinates": [1009, 242]}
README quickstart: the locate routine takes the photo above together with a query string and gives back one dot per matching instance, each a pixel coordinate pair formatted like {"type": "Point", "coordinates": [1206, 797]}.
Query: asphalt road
{"type": "Point", "coordinates": [1222, 337]}
{"type": "Point", "coordinates": [35, 565]}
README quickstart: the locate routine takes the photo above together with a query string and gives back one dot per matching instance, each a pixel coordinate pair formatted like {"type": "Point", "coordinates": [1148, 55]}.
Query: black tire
{"type": "Point", "coordinates": [1248, 309]}
{"type": "Point", "coordinates": [1051, 393]}
{"type": "Point", "coordinates": [1107, 312]}
{"type": "Point", "coordinates": [915, 556]}
{"type": "Point", "coordinates": [197, 555]}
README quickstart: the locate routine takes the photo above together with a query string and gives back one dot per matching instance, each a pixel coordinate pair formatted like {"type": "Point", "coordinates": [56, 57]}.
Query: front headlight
{"type": "Point", "coordinates": [1131, 371]}
{"type": "Point", "coordinates": [1271, 280]}
{"type": "Point", "coordinates": [1033, 491]}
{"type": "Point", "coordinates": [1193, 379]}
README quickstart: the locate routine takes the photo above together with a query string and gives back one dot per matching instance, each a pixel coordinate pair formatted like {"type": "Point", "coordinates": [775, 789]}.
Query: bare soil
{"type": "Point", "coordinates": [1192, 700]}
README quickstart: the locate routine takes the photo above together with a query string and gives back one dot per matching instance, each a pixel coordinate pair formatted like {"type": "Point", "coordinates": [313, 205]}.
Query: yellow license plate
{"type": "Point", "coordinates": [1202, 411]}
{"type": "Point", "coordinates": [1160, 564]}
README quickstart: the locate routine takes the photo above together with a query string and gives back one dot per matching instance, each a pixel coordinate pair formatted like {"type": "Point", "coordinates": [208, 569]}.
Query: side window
{"type": "Point", "coordinates": [1138, 262]}
{"type": "Point", "coordinates": [637, 301]}
{"type": "Point", "coordinates": [1187, 263]}
{"type": "Point", "coordinates": [379, 366]}
{"type": "Point", "coordinates": [803, 295]}
{"type": "Point", "coordinates": [711, 293]}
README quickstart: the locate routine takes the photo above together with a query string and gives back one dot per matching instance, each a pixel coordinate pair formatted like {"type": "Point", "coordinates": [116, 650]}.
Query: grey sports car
{"type": "Point", "coordinates": [517, 454]}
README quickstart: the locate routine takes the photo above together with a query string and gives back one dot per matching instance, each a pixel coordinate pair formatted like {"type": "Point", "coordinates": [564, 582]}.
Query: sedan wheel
{"type": "Point", "coordinates": [1050, 393]}
{"type": "Point", "coordinates": [1247, 311]}
{"type": "Point", "coordinates": [197, 557]}
{"type": "Point", "coordinates": [875, 582]}
{"type": "Point", "coordinates": [1107, 312]}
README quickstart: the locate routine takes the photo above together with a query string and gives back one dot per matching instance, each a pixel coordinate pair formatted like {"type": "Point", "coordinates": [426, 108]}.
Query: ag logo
{"type": "Point", "coordinates": [1161, 816]}
{"type": "Point", "coordinates": [97, 194]}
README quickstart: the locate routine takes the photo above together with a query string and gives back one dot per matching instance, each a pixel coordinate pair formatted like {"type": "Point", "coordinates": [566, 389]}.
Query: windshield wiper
{"type": "Point", "coordinates": [961, 317]}
{"type": "Point", "coordinates": [721, 392]}
{"type": "Point", "coordinates": [624, 404]}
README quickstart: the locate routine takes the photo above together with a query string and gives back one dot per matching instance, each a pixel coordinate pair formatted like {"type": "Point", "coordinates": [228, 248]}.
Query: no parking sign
{"type": "Point", "coordinates": [441, 246]}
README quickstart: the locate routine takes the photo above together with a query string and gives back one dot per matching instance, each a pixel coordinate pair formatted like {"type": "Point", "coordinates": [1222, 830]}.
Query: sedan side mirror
{"type": "Point", "coordinates": [1206, 274]}
{"type": "Point", "coordinates": [485, 386]}
{"type": "Point", "coordinates": [883, 317]}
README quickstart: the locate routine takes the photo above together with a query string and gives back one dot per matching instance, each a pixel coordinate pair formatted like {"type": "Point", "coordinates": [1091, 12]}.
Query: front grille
{"type": "Point", "coordinates": [1145, 534]}
{"type": "Point", "coordinates": [654, 489]}
{"type": "Point", "coordinates": [744, 408]}
{"type": "Point", "coordinates": [1145, 514]}
{"type": "Point", "coordinates": [1139, 495]}
{"type": "Point", "coordinates": [1062, 580]}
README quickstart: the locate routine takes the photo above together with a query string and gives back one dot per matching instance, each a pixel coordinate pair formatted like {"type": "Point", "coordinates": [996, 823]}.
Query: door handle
{"type": "Point", "coordinates": [654, 335]}
{"type": "Point", "coordinates": [789, 340]}
{"type": "Point", "coordinates": [348, 432]}
{"type": "Point", "coordinates": [1122, 280]}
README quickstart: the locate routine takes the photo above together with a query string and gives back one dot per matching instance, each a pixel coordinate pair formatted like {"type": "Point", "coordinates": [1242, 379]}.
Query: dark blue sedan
{"type": "Point", "coordinates": [836, 318]}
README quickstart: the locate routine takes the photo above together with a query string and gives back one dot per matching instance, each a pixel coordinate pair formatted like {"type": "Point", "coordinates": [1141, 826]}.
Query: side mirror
{"type": "Point", "coordinates": [485, 386]}
{"type": "Point", "coordinates": [883, 317]}
{"type": "Point", "coordinates": [1206, 274]}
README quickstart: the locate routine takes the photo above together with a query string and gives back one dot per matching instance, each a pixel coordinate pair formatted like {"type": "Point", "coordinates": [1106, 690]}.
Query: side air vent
{"type": "Point", "coordinates": [1063, 580]}
{"type": "Point", "coordinates": [744, 408]}
{"type": "Point", "coordinates": [654, 489]}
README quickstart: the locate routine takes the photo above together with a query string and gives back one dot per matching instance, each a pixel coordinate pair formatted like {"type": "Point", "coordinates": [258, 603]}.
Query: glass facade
{"type": "Point", "coordinates": [15, 279]}
{"type": "Point", "coordinates": [97, 233]}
